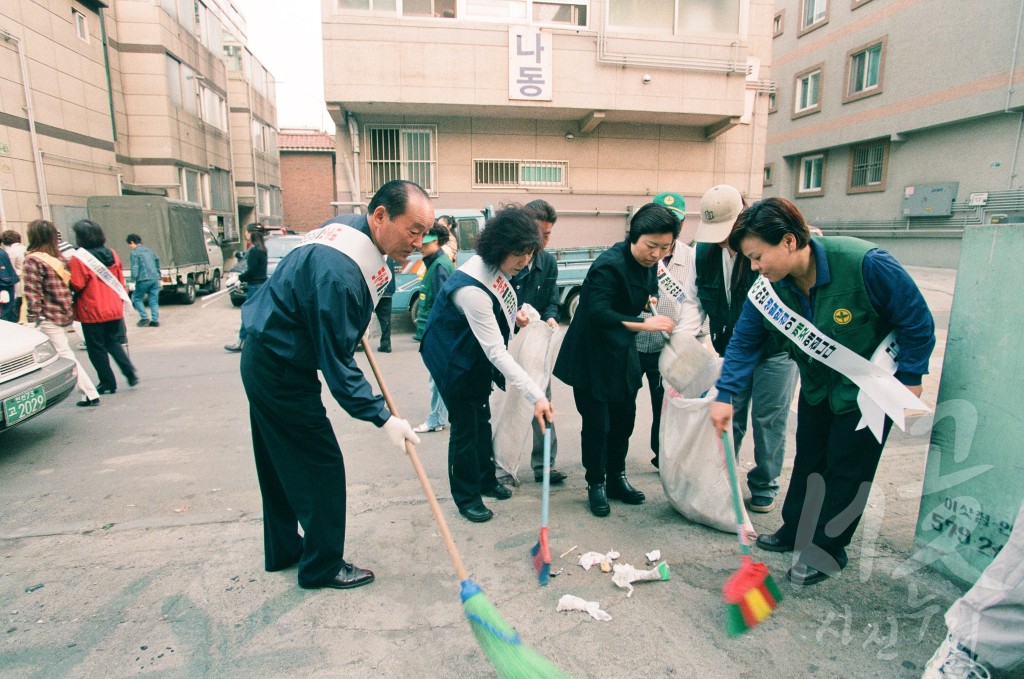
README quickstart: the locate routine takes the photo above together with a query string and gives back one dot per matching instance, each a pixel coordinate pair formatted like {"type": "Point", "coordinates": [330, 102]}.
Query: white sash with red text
{"type": "Point", "coordinates": [358, 246]}
{"type": "Point", "coordinates": [102, 272]}
{"type": "Point", "coordinates": [496, 283]}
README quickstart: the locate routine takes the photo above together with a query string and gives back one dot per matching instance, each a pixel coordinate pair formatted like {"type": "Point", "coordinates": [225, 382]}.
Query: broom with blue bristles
{"type": "Point", "coordinates": [511, 658]}
{"type": "Point", "coordinates": [750, 594]}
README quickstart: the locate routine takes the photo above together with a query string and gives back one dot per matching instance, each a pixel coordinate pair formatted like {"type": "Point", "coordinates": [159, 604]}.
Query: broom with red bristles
{"type": "Point", "coordinates": [541, 551]}
{"type": "Point", "coordinates": [750, 594]}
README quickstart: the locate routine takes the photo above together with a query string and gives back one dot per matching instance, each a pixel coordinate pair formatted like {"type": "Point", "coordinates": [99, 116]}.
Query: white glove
{"type": "Point", "coordinates": [399, 431]}
{"type": "Point", "coordinates": [5, 297]}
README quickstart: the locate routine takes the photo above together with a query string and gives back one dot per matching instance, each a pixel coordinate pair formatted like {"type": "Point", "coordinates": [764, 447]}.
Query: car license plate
{"type": "Point", "coordinates": [23, 405]}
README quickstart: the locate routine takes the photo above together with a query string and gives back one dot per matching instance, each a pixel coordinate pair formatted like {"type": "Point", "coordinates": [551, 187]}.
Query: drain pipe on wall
{"type": "Point", "coordinates": [353, 133]}
{"type": "Point", "coordinates": [37, 156]}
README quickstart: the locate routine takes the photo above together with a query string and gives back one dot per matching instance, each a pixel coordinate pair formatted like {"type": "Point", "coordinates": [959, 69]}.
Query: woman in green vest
{"type": "Point", "coordinates": [849, 295]}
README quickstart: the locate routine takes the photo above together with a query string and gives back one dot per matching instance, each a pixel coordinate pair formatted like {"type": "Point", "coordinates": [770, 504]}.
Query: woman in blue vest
{"type": "Point", "coordinates": [465, 348]}
{"type": "Point", "coordinates": [854, 295]}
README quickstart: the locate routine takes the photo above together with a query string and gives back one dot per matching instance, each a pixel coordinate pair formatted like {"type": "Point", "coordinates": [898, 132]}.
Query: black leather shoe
{"type": "Point", "coordinates": [804, 575]}
{"type": "Point", "coordinates": [384, 349]}
{"type": "Point", "coordinates": [89, 402]}
{"type": "Point", "coordinates": [350, 576]}
{"type": "Point", "coordinates": [773, 543]}
{"type": "Point", "coordinates": [497, 491]}
{"type": "Point", "coordinates": [106, 390]}
{"type": "Point", "coordinates": [476, 513]}
{"type": "Point", "coordinates": [132, 381]}
{"type": "Point", "coordinates": [234, 348]}
{"type": "Point", "coordinates": [556, 476]}
{"type": "Point", "coordinates": [598, 500]}
{"type": "Point", "coordinates": [619, 489]}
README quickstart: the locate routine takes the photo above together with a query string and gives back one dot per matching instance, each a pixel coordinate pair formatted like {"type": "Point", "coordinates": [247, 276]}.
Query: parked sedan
{"type": "Point", "coordinates": [33, 377]}
{"type": "Point", "coordinates": [277, 248]}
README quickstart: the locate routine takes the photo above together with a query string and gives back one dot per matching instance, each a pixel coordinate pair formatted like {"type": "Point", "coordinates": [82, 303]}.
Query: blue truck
{"type": "Point", "coordinates": [573, 264]}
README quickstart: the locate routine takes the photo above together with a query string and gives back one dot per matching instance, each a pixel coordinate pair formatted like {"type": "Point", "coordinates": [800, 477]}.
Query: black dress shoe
{"type": "Point", "coordinates": [497, 491]}
{"type": "Point", "coordinates": [477, 513]}
{"type": "Point", "coordinates": [348, 577]}
{"type": "Point", "coordinates": [556, 476]}
{"type": "Point", "coordinates": [88, 402]}
{"type": "Point", "coordinates": [804, 575]}
{"type": "Point", "coordinates": [384, 349]}
{"type": "Point", "coordinates": [132, 381]}
{"type": "Point", "coordinates": [598, 500]}
{"type": "Point", "coordinates": [619, 489]}
{"type": "Point", "coordinates": [774, 543]}
{"type": "Point", "coordinates": [106, 390]}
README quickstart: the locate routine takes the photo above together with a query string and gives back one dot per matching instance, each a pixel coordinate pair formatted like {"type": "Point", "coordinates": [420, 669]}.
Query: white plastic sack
{"type": "Point", "coordinates": [692, 464]}
{"type": "Point", "coordinates": [535, 348]}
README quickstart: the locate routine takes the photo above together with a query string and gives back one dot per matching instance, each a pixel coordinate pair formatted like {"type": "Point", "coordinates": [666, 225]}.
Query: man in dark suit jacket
{"type": "Point", "coordinates": [537, 285]}
{"type": "Point", "coordinates": [598, 358]}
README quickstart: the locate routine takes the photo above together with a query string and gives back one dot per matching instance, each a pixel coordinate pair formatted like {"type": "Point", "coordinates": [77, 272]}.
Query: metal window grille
{"type": "Point", "coordinates": [867, 165]}
{"type": "Point", "coordinates": [401, 153]}
{"type": "Point", "coordinates": [488, 173]}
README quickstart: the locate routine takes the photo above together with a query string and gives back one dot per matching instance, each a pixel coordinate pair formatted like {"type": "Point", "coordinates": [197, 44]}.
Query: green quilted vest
{"type": "Point", "coordinates": [842, 312]}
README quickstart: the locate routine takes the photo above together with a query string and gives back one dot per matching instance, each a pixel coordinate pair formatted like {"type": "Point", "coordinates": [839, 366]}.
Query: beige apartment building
{"type": "Point", "coordinates": [897, 120]}
{"type": "Point", "coordinates": [153, 97]}
{"type": "Point", "coordinates": [593, 105]}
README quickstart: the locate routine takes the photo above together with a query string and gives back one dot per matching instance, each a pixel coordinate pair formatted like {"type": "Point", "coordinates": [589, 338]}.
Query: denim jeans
{"type": "Point", "coordinates": [438, 416]}
{"type": "Point", "coordinates": [151, 288]}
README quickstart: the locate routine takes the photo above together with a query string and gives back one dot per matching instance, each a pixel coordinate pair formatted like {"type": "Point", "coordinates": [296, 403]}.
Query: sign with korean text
{"type": "Point", "coordinates": [529, 64]}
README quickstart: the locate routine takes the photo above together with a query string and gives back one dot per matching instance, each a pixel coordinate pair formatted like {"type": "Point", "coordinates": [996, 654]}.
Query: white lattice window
{"type": "Point", "coordinates": [397, 152]}
{"type": "Point", "coordinates": [494, 173]}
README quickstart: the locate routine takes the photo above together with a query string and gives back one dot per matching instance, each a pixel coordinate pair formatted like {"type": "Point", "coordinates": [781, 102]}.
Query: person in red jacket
{"type": "Point", "coordinates": [98, 284]}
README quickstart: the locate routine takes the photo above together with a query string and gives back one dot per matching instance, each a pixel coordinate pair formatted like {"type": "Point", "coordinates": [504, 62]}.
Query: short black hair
{"type": "Point", "coordinates": [653, 218]}
{"type": "Point", "coordinates": [770, 219]}
{"type": "Point", "coordinates": [441, 231]}
{"type": "Point", "coordinates": [542, 211]}
{"type": "Point", "coordinates": [394, 196]}
{"type": "Point", "coordinates": [512, 231]}
{"type": "Point", "coordinates": [133, 238]}
{"type": "Point", "coordinates": [10, 237]}
{"type": "Point", "coordinates": [88, 234]}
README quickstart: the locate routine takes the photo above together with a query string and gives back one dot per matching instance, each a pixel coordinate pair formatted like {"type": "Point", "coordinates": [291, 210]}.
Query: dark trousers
{"type": "Point", "coordinates": [832, 474]}
{"type": "Point", "coordinates": [299, 465]}
{"type": "Point", "coordinates": [11, 310]}
{"type": "Point", "coordinates": [605, 434]}
{"type": "Point", "coordinates": [470, 452]}
{"type": "Point", "coordinates": [649, 367]}
{"type": "Point", "coordinates": [103, 341]}
{"type": "Point", "coordinates": [383, 312]}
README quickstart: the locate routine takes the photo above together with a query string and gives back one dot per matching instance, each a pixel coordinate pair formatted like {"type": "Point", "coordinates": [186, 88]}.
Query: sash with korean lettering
{"type": "Point", "coordinates": [668, 285]}
{"type": "Point", "coordinates": [357, 246]}
{"type": "Point", "coordinates": [496, 283]}
{"type": "Point", "coordinates": [102, 272]}
{"type": "Point", "coordinates": [882, 393]}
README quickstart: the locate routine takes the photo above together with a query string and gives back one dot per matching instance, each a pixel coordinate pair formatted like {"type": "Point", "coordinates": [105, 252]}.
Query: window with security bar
{"type": "Point", "coordinates": [520, 173]}
{"type": "Point", "coordinates": [397, 152]}
{"type": "Point", "coordinates": [868, 167]}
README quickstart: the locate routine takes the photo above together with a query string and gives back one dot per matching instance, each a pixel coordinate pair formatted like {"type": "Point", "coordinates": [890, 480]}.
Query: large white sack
{"type": "Point", "coordinates": [535, 348]}
{"type": "Point", "coordinates": [692, 465]}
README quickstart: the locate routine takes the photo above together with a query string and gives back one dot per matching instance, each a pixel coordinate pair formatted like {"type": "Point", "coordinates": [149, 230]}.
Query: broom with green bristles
{"type": "Point", "coordinates": [511, 658]}
{"type": "Point", "coordinates": [750, 594]}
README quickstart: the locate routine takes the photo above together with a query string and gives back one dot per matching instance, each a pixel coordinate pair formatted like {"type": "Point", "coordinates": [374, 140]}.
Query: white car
{"type": "Point", "coordinates": [32, 376]}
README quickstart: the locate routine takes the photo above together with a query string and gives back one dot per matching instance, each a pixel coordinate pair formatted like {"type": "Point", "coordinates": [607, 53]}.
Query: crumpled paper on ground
{"type": "Point", "coordinates": [626, 574]}
{"type": "Point", "coordinates": [568, 602]}
{"type": "Point", "coordinates": [591, 559]}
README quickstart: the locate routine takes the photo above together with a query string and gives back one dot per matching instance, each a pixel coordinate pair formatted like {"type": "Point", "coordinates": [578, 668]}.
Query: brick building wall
{"type": "Point", "coordinates": [307, 178]}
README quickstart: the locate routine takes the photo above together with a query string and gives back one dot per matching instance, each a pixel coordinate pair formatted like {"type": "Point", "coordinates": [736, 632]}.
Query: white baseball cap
{"type": "Point", "coordinates": [719, 208]}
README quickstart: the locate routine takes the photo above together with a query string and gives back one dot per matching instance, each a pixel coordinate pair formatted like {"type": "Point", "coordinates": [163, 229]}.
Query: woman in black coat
{"type": "Point", "coordinates": [598, 358]}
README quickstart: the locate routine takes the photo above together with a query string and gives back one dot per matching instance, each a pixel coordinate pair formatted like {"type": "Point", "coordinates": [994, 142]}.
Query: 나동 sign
{"type": "Point", "coordinates": [529, 64]}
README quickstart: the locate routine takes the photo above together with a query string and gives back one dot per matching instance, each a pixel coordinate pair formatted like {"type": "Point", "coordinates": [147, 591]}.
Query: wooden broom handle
{"type": "Point", "coordinates": [410, 450]}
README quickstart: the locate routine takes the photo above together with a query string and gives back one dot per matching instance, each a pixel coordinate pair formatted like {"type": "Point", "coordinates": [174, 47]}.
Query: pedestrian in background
{"type": "Point", "coordinates": [439, 268]}
{"type": "Point", "coordinates": [850, 296]}
{"type": "Point", "coordinates": [465, 347]}
{"type": "Point", "coordinates": [98, 283]}
{"type": "Point", "coordinates": [48, 303]}
{"type": "Point", "coordinates": [10, 241]}
{"type": "Point", "coordinates": [598, 358]}
{"type": "Point", "coordinates": [254, 276]}
{"type": "Point", "coordinates": [146, 275]}
{"type": "Point", "coordinates": [537, 285]}
{"type": "Point", "coordinates": [383, 310]}
{"type": "Point", "coordinates": [309, 318]}
{"type": "Point", "coordinates": [8, 281]}
{"type": "Point", "coordinates": [451, 248]}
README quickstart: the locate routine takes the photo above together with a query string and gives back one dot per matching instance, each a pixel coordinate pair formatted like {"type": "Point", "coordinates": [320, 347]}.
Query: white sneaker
{"type": "Point", "coordinates": [953, 660]}
{"type": "Point", "coordinates": [426, 429]}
